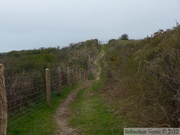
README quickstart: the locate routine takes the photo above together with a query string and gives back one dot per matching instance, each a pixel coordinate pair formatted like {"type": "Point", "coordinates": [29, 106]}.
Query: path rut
{"type": "Point", "coordinates": [63, 114]}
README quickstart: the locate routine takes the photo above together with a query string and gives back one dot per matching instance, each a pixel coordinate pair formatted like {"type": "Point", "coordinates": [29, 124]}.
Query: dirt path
{"type": "Point", "coordinates": [63, 113]}
{"type": "Point", "coordinates": [96, 62]}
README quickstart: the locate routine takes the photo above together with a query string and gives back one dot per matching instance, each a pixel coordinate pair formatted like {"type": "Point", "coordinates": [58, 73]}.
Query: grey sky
{"type": "Point", "coordinates": [29, 24]}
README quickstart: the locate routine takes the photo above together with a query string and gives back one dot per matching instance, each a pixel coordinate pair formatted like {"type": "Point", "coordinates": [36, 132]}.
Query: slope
{"type": "Point", "coordinates": [143, 79]}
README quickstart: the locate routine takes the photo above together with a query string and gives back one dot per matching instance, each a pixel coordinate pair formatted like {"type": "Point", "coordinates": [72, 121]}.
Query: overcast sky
{"type": "Point", "coordinates": [29, 24]}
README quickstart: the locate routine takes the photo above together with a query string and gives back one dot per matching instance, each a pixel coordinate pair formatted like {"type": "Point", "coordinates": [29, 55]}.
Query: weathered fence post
{"type": "Point", "coordinates": [48, 87]}
{"type": "Point", "coordinates": [68, 76]}
{"type": "Point", "coordinates": [79, 74]}
{"type": "Point", "coordinates": [60, 79]}
{"type": "Point", "coordinates": [73, 74]}
{"type": "Point", "coordinates": [89, 57]}
{"type": "Point", "coordinates": [3, 103]}
{"type": "Point", "coordinates": [89, 66]}
{"type": "Point", "coordinates": [77, 78]}
{"type": "Point", "coordinates": [82, 74]}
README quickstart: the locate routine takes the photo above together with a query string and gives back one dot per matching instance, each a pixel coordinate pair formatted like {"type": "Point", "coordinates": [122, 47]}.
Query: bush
{"type": "Point", "coordinates": [124, 37]}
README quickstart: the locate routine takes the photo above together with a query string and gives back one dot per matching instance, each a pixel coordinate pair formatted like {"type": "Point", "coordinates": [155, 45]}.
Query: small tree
{"type": "Point", "coordinates": [124, 37]}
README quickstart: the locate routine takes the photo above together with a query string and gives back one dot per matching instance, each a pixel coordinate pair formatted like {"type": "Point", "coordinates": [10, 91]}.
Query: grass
{"type": "Point", "coordinates": [40, 121]}
{"type": "Point", "coordinates": [92, 116]}
{"type": "Point", "coordinates": [142, 79]}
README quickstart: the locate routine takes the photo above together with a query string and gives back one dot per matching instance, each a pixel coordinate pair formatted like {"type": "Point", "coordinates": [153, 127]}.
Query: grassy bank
{"type": "Point", "coordinates": [40, 121]}
{"type": "Point", "coordinates": [143, 79]}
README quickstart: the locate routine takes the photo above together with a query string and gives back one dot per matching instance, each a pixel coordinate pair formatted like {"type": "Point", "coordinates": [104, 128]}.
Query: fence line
{"type": "Point", "coordinates": [3, 103]}
{"type": "Point", "coordinates": [30, 89]}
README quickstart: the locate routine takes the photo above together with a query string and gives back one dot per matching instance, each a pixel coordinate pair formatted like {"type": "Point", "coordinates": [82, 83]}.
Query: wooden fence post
{"type": "Point", "coordinates": [89, 68]}
{"type": "Point", "coordinates": [82, 74]}
{"type": "Point", "coordinates": [79, 74]}
{"type": "Point", "coordinates": [60, 79]}
{"type": "Point", "coordinates": [3, 103]}
{"type": "Point", "coordinates": [48, 87]}
{"type": "Point", "coordinates": [71, 77]}
{"type": "Point", "coordinates": [73, 74]}
{"type": "Point", "coordinates": [68, 76]}
{"type": "Point", "coordinates": [77, 78]}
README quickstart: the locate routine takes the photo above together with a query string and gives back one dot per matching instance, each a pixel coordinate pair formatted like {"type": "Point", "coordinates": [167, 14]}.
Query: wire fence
{"type": "Point", "coordinates": [27, 90]}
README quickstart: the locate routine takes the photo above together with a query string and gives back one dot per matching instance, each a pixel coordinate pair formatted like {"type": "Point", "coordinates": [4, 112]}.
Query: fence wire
{"type": "Point", "coordinates": [26, 89]}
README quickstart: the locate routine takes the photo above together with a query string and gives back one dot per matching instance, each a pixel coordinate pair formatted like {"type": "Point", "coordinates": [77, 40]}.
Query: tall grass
{"type": "Point", "coordinates": [143, 75]}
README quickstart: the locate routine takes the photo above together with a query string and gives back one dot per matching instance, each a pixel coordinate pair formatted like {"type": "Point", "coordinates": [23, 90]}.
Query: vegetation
{"type": "Point", "coordinates": [124, 37]}
{"type": "Point", "coordinates": [40, 121]}
{"type": "Point", "coordinates": [75, 54]}
{"type": "Point", "coordinates": [25, 83]}
{"type": "Point", "coordinates": [139, 84]}
{"type": "Point", "coordinates": [91, 115]}
{"type": "Point", "coordinates": [143, 79]}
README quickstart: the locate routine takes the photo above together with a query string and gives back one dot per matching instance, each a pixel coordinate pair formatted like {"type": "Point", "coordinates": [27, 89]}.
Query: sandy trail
{"type": "Point", "coordinates": [63, 113]}
{"type": "Point", "coordinates": [96, 62]}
